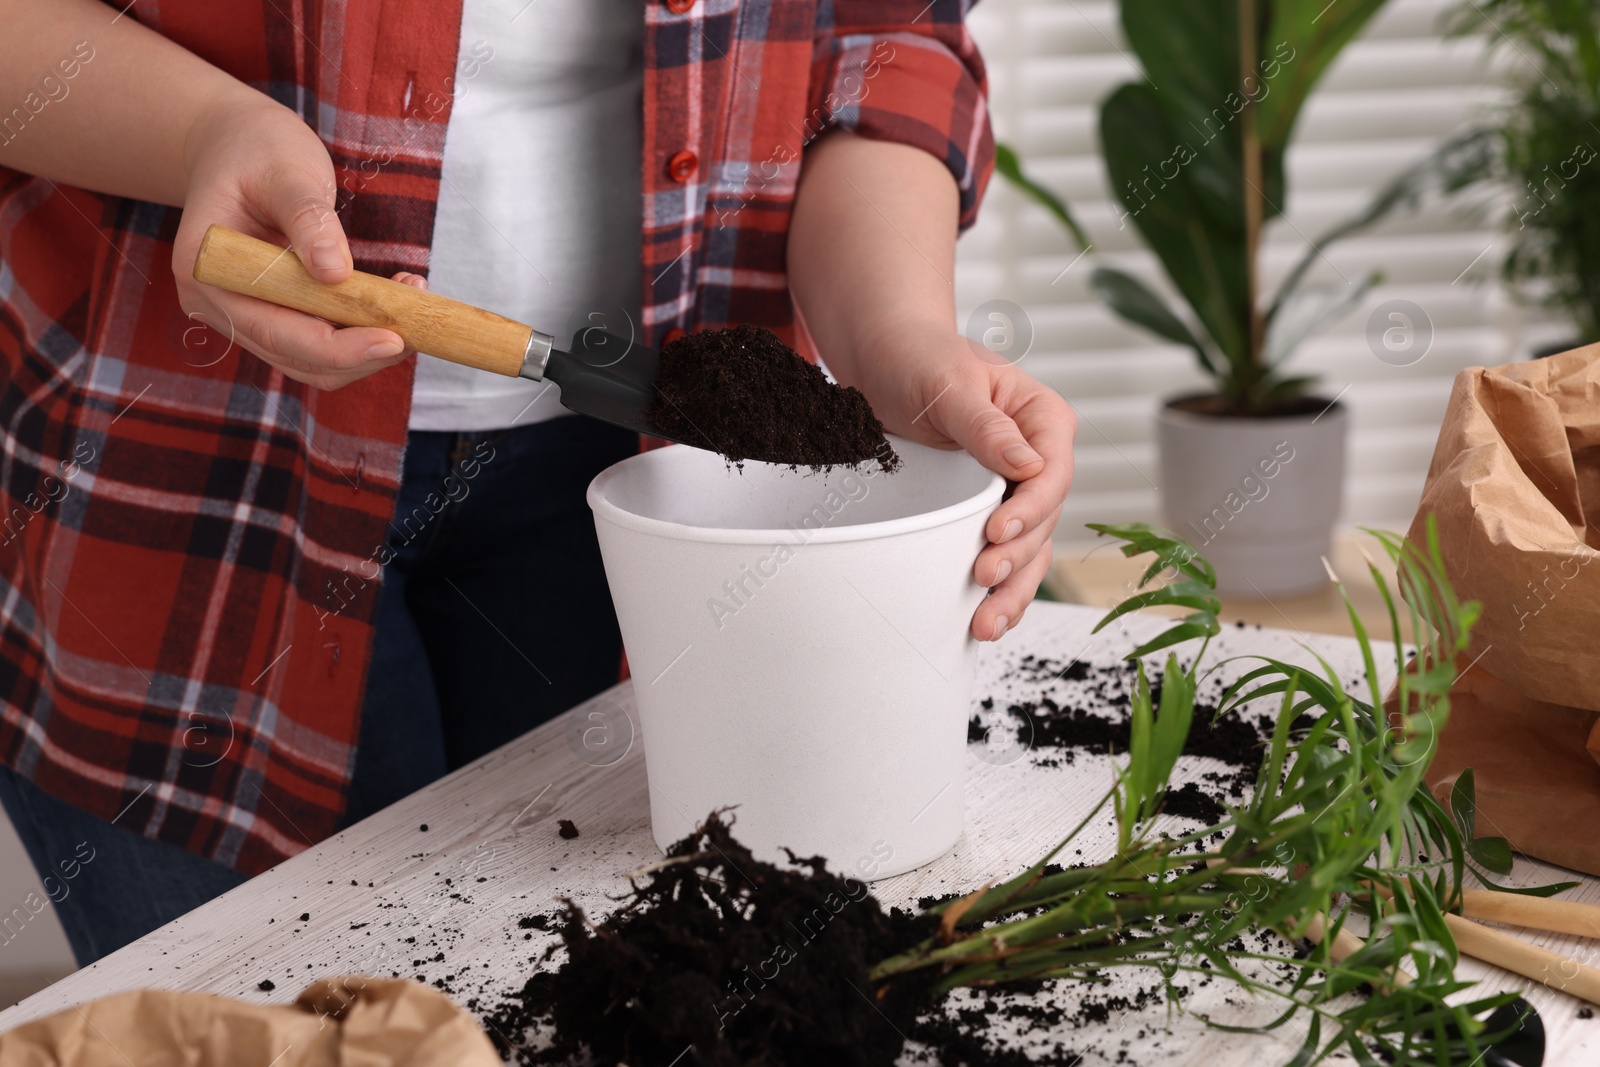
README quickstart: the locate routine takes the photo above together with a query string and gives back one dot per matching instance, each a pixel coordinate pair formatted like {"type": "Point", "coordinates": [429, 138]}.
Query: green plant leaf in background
{"type": "Point", "coordinates": [1548, 138]}
{"type": "Point", "coordinates": [1195, 49]}
{"type": "Point", "coordinates": [1303, 39]}
{"type": "Point", "coordinates": [1136, 302]}
{"type": "Point", "coordinates": [1190, 55]}
{"type": "Point", "coordinates": [1491, 853]}
{"type": "Point", "coordinates": [1005, 162]}
{"type": "Point", "coordinates": [1174, 145]}
{"type": "Point", "coordinates": [1456, 163]}
{"type": "Point", "coordinates": [1155, 177]}
{"type": "Point", "coordinates": [1310, 310]}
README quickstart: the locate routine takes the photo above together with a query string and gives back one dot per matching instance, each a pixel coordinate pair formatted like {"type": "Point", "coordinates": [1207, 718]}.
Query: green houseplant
{"type": "Point", "coordinates": [1548, 142]}
{"type": "Point", "coordinates": [1194, 151]}
{"type": "Point", "coordinates": [707, 951]}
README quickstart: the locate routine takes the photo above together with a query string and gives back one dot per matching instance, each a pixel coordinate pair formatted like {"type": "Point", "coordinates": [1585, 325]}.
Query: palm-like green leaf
{"type": "Point", "coordinates": [1304, 38]}
{"type": "Point", "coordinates": [1174, 144]}
{"type": "Point", "coordinates": [1544, 173]}
{"type": "Point", "coordinates": [1491, 853]}
{"type": "Point", "coordinates": [1308, 311]}
{"type": "Point", "coordinates": [1139, 304]}
{"type": "Point", "coordinates": [1458, 162]}
{"type": "Point", "coordinates": [1339, 807]}
{"type": "Point", "coordinates": [1008, 167]}
{"type": "Point", "coordinates": [1162, 197]}
{"type": "Point", "coordinates": [1190, 55]}
{"type": "Point", "coordinates": [1171, 551]}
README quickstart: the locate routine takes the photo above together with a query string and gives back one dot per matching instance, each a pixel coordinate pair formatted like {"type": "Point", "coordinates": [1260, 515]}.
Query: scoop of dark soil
{"type": "Point", "coordinates": [745, 394]}
{"type": "Point", "coordinates": [743, 961]}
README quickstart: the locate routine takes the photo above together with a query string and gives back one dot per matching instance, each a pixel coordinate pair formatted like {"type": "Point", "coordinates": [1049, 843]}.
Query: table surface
{"type": "Point", "coordinates": [443, 902]}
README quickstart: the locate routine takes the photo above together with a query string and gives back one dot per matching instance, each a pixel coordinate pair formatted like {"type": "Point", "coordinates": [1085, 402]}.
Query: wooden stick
{"type": "Point", "coordinates": [1344, 945]}
{"type": "Point", "coordinates": [1535, 913]}
{"type": "Point", "coordinates": [1496, 947]}
{"type": "Point", "coordinates": [1505, 950]}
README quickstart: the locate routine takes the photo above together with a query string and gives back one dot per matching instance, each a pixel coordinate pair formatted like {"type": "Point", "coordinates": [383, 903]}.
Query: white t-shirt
{"type": "Point", "coordinates": [540, 205]}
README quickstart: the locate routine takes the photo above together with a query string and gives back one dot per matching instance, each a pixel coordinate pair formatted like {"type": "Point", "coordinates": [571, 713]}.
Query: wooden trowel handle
{"type": "Point", "coordinates": [426, 321]}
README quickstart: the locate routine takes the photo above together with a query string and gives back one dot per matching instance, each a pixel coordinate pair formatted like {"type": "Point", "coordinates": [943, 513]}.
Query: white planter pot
{"type": "Point", "coordinates": [1258, 497]}
{"type": "Point", "coordinates": [799, 646]}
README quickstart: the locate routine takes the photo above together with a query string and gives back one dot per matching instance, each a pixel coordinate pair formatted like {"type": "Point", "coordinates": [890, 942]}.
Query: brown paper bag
{"type": "Point", "coordinates": [1515, 488]}
{"type": "Point", "coordinates": [1537, 783]}
{"type": "Point", "coordinates": [340, 1022]}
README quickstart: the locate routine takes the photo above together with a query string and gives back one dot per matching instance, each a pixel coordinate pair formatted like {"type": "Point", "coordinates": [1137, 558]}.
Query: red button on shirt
{"type": "Point", "coordinates": [678, 7]}
{"type": "Point", "coordinates": [671, 335]}
{"type": "Point", "coordinates": [682, 165]}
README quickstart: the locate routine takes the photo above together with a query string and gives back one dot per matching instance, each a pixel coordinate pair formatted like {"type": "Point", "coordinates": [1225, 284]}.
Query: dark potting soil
{"type": "Point", "coordinates": [743, 393]}
{"type": "Point", "coordinates": [742, 960]}
{"type": "Point", "coordinates": [567, 828]}
{"type": "Point", "coordinates": [1189, 801]}
{"type": "Point", "coordinates": [1094, 715]}
{"type": "Point", "coordinates": [1214, 405]}
{"type": "Point", "coordinates": [961, 1042]}
{"type": "Point", "coordinates": [745, 962]}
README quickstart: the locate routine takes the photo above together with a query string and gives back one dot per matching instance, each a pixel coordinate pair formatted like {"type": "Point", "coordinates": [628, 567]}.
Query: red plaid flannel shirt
{"type": "Point", "coordinates": [187, 538]}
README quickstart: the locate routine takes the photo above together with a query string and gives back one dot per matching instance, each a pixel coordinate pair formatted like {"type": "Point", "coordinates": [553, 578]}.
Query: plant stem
{"type": "Point", "coordinates": [1250, 138]}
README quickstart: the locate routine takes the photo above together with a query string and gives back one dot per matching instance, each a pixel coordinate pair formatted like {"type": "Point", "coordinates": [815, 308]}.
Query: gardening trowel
{"type": "Point", "coordinates": [606, 376]}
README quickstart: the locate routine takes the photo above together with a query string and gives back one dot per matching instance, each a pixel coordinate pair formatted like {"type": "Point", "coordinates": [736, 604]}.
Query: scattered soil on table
{"type": "Point", "coordinates": [742, 960]}
{"type": "Point", "coordinates": [266, 985]}
{"type": "Point", "coordinates": [1189, 801]}
{"type": "Point", "coordinates": [960, 1041]}
{"type": "Point", "coordinates": [745, 394]}
{"type": "Point", "coordinates": [567, 828]}
{"type": "Point", "coordinates": [1094, 712]}
{"type": "Point", "coordinates": [746, 962]}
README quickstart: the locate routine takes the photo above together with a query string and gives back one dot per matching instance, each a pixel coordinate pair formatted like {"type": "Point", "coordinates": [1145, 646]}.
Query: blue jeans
{"type": "Point", "coordinates": [108, 885]}
{"type": "Point", "coordinates": [493, 617]}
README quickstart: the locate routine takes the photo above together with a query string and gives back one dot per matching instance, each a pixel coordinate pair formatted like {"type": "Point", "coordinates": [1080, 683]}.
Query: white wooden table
{"type": "Point", "coordinates": [386, 896]}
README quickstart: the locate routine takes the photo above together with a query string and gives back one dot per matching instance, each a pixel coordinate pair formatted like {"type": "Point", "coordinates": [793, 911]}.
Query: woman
{"type": "Point", "coordinates": [262, 576]}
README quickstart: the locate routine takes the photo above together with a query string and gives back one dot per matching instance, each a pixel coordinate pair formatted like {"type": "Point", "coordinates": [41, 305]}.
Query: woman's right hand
{"type": "Point", "coordinates": [254, 166]}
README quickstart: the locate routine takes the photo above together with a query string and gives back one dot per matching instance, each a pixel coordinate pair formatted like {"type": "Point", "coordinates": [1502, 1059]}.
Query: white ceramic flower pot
{"type": "Point", "coordinates": [799, 646]}
{"type": "Point", "coordinates": [1258, 497]}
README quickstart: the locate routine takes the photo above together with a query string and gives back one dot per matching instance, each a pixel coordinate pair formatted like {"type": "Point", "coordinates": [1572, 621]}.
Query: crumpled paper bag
{"type": "Point", "coordinates": [1514, 486]}
{"type": "Point", "coordinates": [1536, 781]}
{"type": "Point", "coordinates": [337, 1022]}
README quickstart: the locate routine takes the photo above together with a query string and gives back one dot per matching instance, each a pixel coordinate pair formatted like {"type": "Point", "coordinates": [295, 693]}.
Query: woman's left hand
{"type": "Point", "coordinates": [933, 385]}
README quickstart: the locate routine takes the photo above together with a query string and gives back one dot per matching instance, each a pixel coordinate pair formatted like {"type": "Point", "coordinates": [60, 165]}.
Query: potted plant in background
{"type": "Point", "coordinates": [1548, 158]}
{"type": "Point", "coordinates": [1253, 471]}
